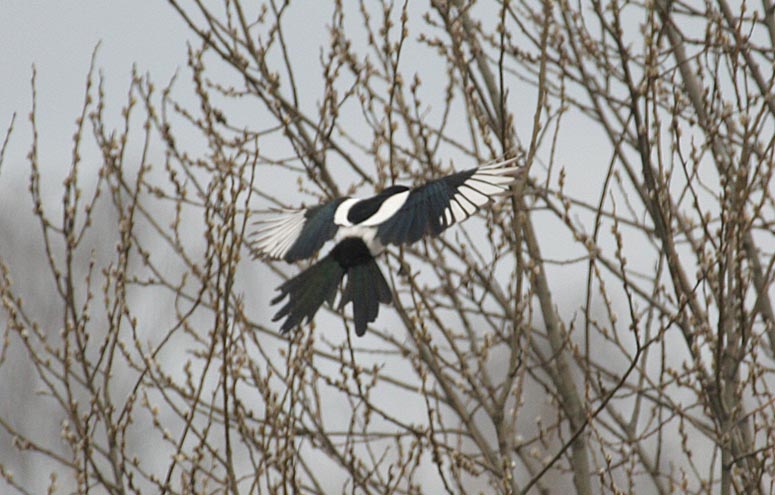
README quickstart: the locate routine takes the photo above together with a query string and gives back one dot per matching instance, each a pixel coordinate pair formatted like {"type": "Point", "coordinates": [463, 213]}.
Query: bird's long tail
{"type": "Point", "coordinates": [366, 288]}
{"type": "Point", "coordinates": [307, 291]}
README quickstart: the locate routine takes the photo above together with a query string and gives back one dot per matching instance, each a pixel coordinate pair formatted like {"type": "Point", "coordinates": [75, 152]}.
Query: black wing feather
{"type": "Point", "coordinates": [439, 204]}
{"type": "Point", "coordinates": [318, 229]}
{"type": "Point", "coordinates": [296, 235]}
{"type": "Point", "coordinates": [425, 205]}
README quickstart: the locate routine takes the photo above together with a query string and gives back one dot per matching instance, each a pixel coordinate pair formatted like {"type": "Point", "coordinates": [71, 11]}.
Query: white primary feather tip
{"type": "Point", "coordinates": [502, 164]}
{"type": "Point", "coordinates": [390, 207]}
{"type": "Point", "coordinates": [488, 181]}
{"type": "Point", "coordinates": [507, 168]}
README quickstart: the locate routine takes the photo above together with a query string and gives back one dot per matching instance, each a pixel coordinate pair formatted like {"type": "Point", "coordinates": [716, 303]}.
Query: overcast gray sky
{"type": "Point", "coordinates": [59, 37]}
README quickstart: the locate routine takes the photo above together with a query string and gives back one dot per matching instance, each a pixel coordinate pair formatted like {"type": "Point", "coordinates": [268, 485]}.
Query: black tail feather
{"type": "Point", "coordinates": [307, 291]}
{"type": "Point", "coordinates": [366, 288]}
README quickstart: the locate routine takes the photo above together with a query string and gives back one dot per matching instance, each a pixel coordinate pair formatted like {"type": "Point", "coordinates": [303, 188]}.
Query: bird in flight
{"type": "Point", "coordinates": [361, 229]}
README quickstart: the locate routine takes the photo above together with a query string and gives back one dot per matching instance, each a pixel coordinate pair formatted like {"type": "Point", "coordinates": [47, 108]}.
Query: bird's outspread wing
{"type": "Point", "coordinates": [440, 203]}
{"type": "Point", "coordinates": [296, 234]}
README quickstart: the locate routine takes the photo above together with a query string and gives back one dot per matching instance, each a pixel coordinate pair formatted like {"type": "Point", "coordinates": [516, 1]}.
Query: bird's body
{"type": "Point", "coordinates": [361, 229]}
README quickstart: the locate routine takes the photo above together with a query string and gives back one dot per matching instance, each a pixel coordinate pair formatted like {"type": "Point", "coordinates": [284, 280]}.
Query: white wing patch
{"type": "Point", "coordinates": [477, 190]}
{"type": "Point", "coordinates": [276, 236]}
{"type": "Point", "coordinates": [340, 215]}
{"type": "Point", "coordinates": [387, 209]}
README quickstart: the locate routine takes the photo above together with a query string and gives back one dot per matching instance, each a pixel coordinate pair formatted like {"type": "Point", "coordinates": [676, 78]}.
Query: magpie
{"type": "Point", "coordinates": [361, 229]}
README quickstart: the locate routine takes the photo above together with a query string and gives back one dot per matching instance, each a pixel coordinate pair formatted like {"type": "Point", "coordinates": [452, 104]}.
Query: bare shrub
{"type": "Point", "coordinates": [608, 327]}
